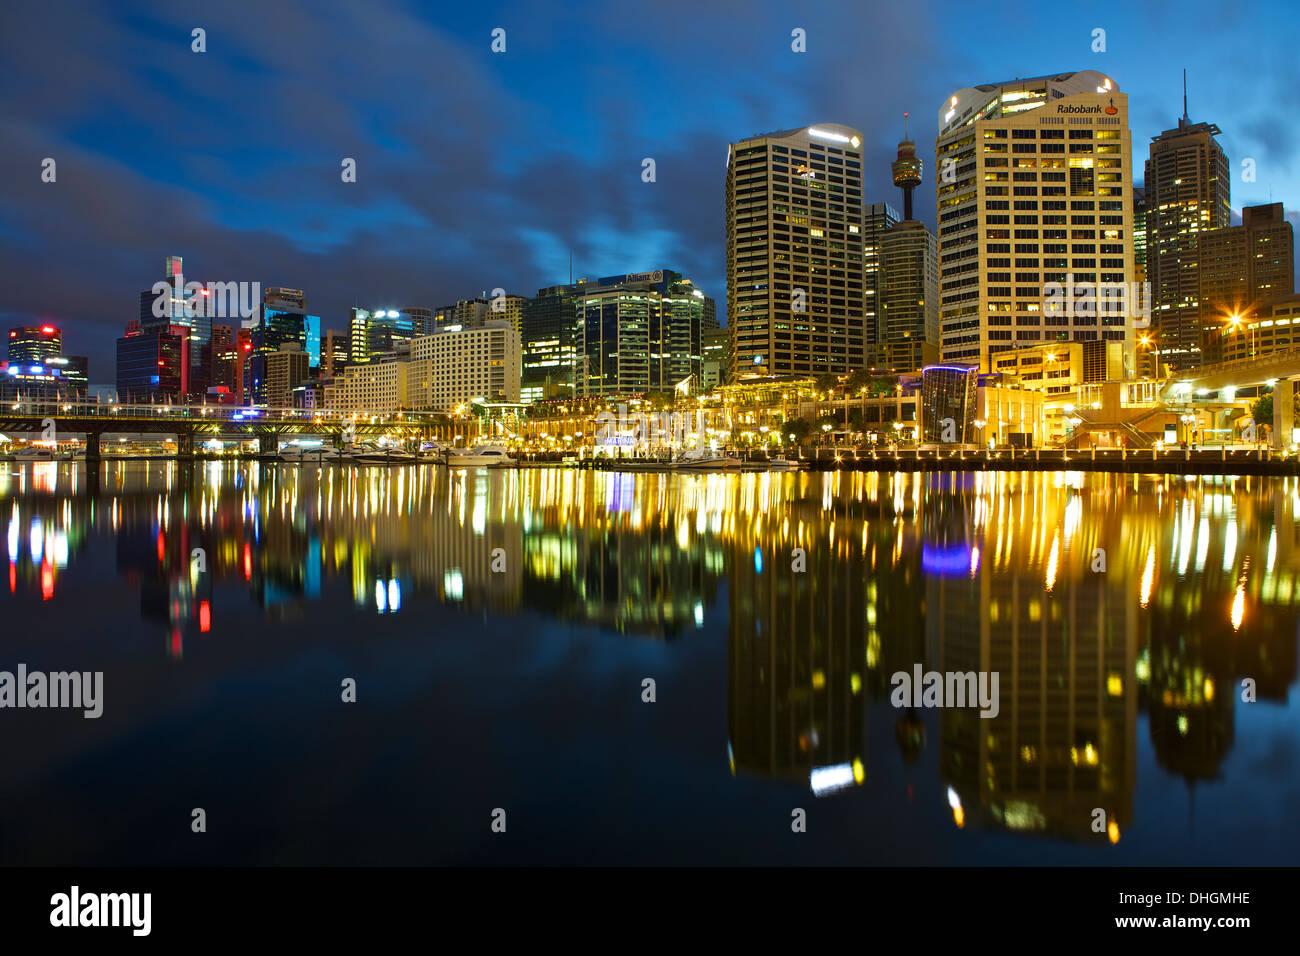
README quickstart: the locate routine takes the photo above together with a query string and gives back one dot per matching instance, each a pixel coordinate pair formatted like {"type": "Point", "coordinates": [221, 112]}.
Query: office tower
{"type": "Point", "coordinates": [283, 320]}
{"type": "Point", "coordinates": [227, 362]}
{"type": "Point", "coordinates": [154, 365]}
{"type": "Point", "coordinates": [714, 369]}
{"type": "Point", "coordinates": [333, 353]}
{"type": "Point", "coordinates": [548, 335]}
{"type": "Point", "coordinates": [909, 298]}
{"type": "Point", "coordinates": [1187, 193]}
{"type": "Point", "coordinates": [71, 374]}
{"type": "Point", "coordinates": [36, 365]}
{"type": "Point", "coordinates": [33, 344]}
{"type": "Point", "coordinates": [164, 309]}
{"type": "Point", "coordinates": [244, 353]}
{"type": "Point", "coordinates": [877, 218]}
{"type": "Point", "coordinates": [794, 252]}
{"type": "Point", "coordinates": [907, 323]}
{"type": "Point", "coordinates": [379, 331]}
{"type": "Point", "coordinates": [1035, 216]}
{"type": "Point", "coordinates": [286, 369]}
{"type": "Point", "coordinates": [1139, 233]}
{"type": "Point", "coordinates": [453, 367]}
{"type": "Point", "coordinates": [641, 333]}
{"type": "Point", "coordinates": [1242, 266]}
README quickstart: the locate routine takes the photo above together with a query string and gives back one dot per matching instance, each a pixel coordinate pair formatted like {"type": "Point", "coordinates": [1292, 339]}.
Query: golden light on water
{"type": "Point", "coordinates": [1148, 576]}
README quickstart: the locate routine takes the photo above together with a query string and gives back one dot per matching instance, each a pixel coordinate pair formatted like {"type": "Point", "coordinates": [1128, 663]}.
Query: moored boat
{"type": "Point", "coordinates": [486, 456]}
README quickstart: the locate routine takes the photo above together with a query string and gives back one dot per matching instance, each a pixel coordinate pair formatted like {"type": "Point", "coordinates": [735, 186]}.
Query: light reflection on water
{"type": "Point", "coordinates": [504, 622]}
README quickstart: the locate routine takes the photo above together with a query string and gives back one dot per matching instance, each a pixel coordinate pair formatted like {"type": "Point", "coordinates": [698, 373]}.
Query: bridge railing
{"type": "Point", "coordinates": [235, 415]}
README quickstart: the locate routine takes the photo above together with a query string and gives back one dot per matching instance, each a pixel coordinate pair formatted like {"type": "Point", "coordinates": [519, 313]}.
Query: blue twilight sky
{"type": "Point", "coordinates": [478, 169]}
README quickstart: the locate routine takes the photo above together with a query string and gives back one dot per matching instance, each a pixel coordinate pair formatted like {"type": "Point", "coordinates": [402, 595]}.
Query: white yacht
{"type": "Point", "coordinates": [308, 454]}
{"type": "Point", "coordinates": [365, 454]}
{"type": "Point", "coordinates": [489, 456]}
{"type": "Point", "coordinates": [35, 453]}
{"type": "Point", "coordinates": [784, 464]}
{"type": "Point", "coordinates": [705, 459]}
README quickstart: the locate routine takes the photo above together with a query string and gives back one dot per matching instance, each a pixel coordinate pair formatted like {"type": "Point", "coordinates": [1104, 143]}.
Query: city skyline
{"type": "Point", "coordinates": [235, 199]}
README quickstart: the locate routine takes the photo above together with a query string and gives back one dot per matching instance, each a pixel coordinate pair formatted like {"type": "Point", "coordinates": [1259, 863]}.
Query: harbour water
{"type": "Point", "coordinates": [501, 627]}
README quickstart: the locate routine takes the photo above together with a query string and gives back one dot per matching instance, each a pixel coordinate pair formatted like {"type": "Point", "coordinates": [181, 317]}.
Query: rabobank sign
{"type": "Point", "coordinates": [1091, 109]}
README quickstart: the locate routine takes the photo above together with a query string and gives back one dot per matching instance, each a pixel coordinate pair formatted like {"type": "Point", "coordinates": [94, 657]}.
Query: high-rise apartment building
{"type": "Point", "coordinates": [1242, 266]}
{"type": "Point", "coordinates": [795, 296]}
{"type": "Point", "coordinates": [378, 386]}
{"type": "Point", "coordinates": [1035, 216]}
{"type": "Point", "coordinates": [1187, 194]}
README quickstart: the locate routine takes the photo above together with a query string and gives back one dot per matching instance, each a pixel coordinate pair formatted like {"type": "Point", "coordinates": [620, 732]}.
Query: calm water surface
{"type": "Point", "coordinates": [521, 688]}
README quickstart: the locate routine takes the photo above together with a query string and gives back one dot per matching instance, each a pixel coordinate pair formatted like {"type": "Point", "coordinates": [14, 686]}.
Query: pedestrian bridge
{"type": "Point", "coordinates": [186, 422]}
{"type": "Point", "coordinates": [1278, 369]}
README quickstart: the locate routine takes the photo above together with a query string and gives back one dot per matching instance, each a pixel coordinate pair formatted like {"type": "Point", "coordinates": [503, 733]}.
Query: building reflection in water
{"type": "Point", "coordinates": [963, 572]}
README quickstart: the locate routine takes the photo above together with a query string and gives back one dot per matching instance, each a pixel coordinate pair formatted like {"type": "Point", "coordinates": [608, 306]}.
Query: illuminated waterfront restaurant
{"type": "Point", "coordinates": [754, 411]}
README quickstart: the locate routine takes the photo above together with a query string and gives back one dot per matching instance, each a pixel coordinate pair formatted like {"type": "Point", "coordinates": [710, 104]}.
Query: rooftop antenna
{"type": "Point", "coordinates": [1186, 119]}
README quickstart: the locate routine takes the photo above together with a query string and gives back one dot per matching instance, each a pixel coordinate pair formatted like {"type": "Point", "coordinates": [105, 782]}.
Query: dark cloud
{"type": "Point", "coordinates": [478, 170]}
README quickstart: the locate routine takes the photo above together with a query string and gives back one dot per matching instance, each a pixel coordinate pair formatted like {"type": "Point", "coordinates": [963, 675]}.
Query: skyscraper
{"type": "Point", "coordinates": [385, 330]}
{"type": "Point", "coordinates": [333, 352]}
{"type": "Point", "coordinates": [33, 344]}
{"type": "Point", "coordinates": [794, 252]}
{"type": "Point", "coordinates": [1187, 192]}
{"type": "Point", "coordinates": [908, 260]}
{"type": "Point", "coordinates": [154, 365]}
{"type": "Point", "coordinates": [1035, 215]}
{"type": "Point", "coordinates": [1242, 266]}
{"type": "Point", "coordinates": [877, 217]}
{"type": "Point", "coordinates": [283, 320]}
{"type": "Point", "coordinates": [548, 333]}
{"type": "Point", "coordinates": [163, 310]}
{"type": "Point", "coordinates": [641, 332]}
